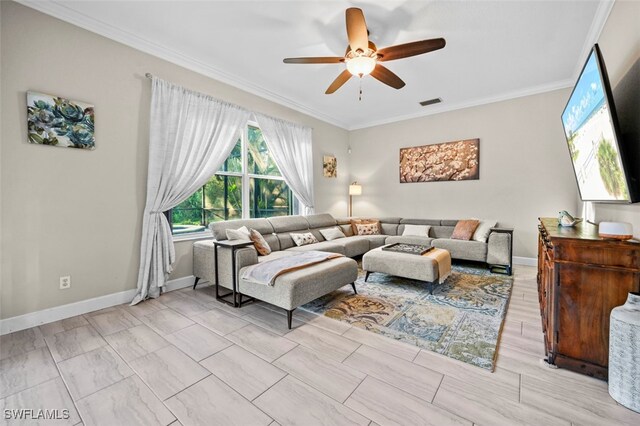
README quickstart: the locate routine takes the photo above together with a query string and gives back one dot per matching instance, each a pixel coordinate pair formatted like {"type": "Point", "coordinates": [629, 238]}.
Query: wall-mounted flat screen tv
{"type": "Point", "coordinates": [591, 128]}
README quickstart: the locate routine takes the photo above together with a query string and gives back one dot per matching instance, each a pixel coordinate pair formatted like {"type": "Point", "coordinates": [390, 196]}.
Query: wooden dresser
{"type": "Point", "coordinates": [581, 278]}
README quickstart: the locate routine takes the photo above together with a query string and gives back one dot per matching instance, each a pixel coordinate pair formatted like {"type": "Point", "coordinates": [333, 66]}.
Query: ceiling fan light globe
{"type": "Point", "coordinates": [361, 65]}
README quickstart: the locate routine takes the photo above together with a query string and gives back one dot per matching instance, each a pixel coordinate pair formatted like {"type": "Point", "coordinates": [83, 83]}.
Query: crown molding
{"type": "Point", "coordinates": [81, 20]}
{"type": "Point", "coordinates": [597, 25]}
{"type": "Point", "coordinates": [550, 87]}
{"type": "Point", "coordinates": [64, 13]}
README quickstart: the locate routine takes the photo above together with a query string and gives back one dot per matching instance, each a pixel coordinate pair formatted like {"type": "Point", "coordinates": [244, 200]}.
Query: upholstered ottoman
{"type": "Point", "coordinates": [432, 267]}
{"type": "Point", "coordinates": [301, 286]}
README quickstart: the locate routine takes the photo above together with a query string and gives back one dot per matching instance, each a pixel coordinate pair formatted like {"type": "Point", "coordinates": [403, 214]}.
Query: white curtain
{"type": "Point", "coordinates": [191, 135]}
{"type": "Point", "coordinates": [291, 147]}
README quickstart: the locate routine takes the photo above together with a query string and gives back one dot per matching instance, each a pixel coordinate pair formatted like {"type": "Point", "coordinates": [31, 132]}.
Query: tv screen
{"type": "Point", "coordinates": [591, 129]}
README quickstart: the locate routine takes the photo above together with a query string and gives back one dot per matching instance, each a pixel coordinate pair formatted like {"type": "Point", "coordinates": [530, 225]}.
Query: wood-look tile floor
{"type": "Point", "coordinates": [187, 359]}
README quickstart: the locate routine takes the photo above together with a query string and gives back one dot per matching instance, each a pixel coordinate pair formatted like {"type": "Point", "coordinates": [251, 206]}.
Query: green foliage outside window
{"type": "Point", "coordinates": [221, 197]}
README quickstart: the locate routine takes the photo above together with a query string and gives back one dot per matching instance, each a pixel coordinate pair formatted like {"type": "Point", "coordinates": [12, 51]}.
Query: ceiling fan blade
{"type": "Point", "coordinates": [410, 49]}
{"type": "Point", "coordinates": [387, 77]}
{"type": "Point", "coordinates": [338, 82]}
{"type": "Point", "coordinates": [316, 60]}
{"type": "Point", "coordinates": [357, 29]}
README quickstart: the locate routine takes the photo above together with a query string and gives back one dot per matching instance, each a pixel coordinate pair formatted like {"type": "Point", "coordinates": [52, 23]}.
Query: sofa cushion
{"type": "Point", "coordinates": [330, 246]}
{"type": "Point", "coordinates": [431, 222]}
{"type": "Point", "coordinates": [288, 223]}
{"type": "Point", "coordinates": [261, 225]}
{"type": "Point", "coordinates": [484, 229]}
{"type": "Point", "coordinates": [275, 255]}
{"type": "Point", "coordinates": [219, 228]}
{"type": "Point", "coordinates": [368, 228]}
{"type": "Point", "coordinates": [346, 229]}
{"type": "Point", "coordinates": [241, 233]}
{"type": "Point", "coordinates": [334, 233]}
{"type": "Point", "coordinates": [323, 220]}
{"type": "Point", "coordinates": [262, 247]}
{"type": "Point", "coordinates": [388, 228]}
{"type": "Point", "coordinates": [409, 239]}
{"type": "Point", "coordinates": [303, 239]}
{"type": "Point", "coordinates": [416, 230]}
{"type": "Point", "coordinates": [441, 231]}
{"type": "Point", "coordinates": [464, 229]}
{"type": "Point", "coordinates": [460, 249]}
{"type": "Point", "coordinates": [449, 222]}
{"type": "Point", "coordinates": [375, 241]}
{"type": "Point", "coordinates": [353, 246]}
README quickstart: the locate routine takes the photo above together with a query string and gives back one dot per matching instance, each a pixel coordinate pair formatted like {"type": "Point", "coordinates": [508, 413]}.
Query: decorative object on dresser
{"type": "Point", "coordinates": [624, 353]}
{"type": "Point", "coordinates": [565, 219]}
{"type": "Point", "coordinates": [615, 230]}
{"type": "Point", "coordinates": [581, 278]}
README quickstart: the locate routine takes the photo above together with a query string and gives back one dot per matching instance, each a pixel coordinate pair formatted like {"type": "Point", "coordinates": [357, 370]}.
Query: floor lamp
{"type": "Point", "coordinates": [354, 189]}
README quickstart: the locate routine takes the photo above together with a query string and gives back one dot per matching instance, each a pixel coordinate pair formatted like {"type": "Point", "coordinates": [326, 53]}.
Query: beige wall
{"type": "Point", "coordinates": [525, 171]}
{"type": "Point", "coordinates": [620, 45]}
{"type": "Point", "coordinates": [70, 212]}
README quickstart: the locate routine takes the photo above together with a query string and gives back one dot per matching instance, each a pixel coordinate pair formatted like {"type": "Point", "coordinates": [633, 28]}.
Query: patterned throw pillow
{"type": "Point", "coordinates": [332, 233]}
{"type": "Point", "coordinates": [238, 234]}
{"type": "Point", "coordinates": [464, 229]}
{"type": "Point", "coordinates": [304, 239]}
{"type": "Point", "coordinates": [261, 245]}
{"type": "Point", "coordinates": [368, 229]}
{"type": "Point", "coordinates": [356, 222]}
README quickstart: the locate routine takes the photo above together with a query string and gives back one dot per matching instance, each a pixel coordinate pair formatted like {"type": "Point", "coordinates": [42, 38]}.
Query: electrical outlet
{"type": "Point", "coordinates": [65, 282]}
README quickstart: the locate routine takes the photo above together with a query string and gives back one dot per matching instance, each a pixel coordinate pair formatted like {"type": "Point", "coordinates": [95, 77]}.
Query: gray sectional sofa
{"type": "Point", "coordinates": [276, 230]}
{"type": "Point", "coordinates": [296, 288]}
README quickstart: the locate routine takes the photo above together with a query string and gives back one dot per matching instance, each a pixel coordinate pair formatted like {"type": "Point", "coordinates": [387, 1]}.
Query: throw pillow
{"type": "Point", "coordinates": [238, 234]}
{"type": "Point", "coordinates": [332, 234]}
{"type": "Point", "coordinates": [261, 245]}
{"type": "Point", "coordinates": [368, 229]}
{"type": "Point", "coordinates": [304, 239]}
{"type": "Point", "coordinates": [484, 229]}
{"type": "Point", "coordinates": [418, 230]}
{"type": "Point", "coordinates": [355, 222]}
{"type": "Point", "coordinates": [464, 229]}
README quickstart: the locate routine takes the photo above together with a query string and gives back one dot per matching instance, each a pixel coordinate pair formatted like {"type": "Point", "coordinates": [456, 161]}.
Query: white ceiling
{"type": "Point", "coordinates": [495, 49]}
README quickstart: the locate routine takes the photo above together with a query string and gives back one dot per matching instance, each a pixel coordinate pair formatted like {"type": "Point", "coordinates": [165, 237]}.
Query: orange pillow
{"type": "Point", "coordinates": [261, 245]}
{"type": "Point", "coordinates": [464, 229]}
{"type": "Point", "coordinates": [356, 222]}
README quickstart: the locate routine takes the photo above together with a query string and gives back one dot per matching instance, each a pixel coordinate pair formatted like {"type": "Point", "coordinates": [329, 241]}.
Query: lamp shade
{"type": "Point", "coordinates": [355, 189]}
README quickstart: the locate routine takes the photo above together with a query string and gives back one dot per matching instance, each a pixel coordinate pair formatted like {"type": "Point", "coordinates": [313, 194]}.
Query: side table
{"type": "Point", "coordinates": [507, 269]}
{"type": "Point", "coordinates": [233, 245]}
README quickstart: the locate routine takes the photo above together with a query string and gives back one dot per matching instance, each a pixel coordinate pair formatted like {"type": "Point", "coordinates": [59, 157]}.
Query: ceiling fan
{"type": "Point", "coordinates": [363, 57]}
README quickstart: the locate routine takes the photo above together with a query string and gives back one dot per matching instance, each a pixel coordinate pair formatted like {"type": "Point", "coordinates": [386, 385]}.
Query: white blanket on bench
{"type": "Point", "coordinates": [266, 272]}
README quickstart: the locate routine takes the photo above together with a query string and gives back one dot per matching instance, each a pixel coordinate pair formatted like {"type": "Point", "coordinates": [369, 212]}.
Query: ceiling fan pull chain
{"type": "Point", "coordinates": [360, 95]}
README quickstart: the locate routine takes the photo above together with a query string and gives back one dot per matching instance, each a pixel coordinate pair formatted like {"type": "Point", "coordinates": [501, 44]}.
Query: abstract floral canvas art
{"type": "Point", "coordinates": [458, 160]}
{"type": "Point", "coordinates": [56, 121]}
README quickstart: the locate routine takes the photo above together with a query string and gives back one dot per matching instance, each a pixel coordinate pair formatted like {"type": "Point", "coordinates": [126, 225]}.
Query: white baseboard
{"type": "Point", "coordinates": [22, 322]}
{"type": "Point", "coordinates": [525, 261]}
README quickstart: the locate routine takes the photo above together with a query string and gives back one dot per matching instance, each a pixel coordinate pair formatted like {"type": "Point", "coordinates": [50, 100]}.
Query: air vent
{"type": "Point", "coordinates": [431, 101]}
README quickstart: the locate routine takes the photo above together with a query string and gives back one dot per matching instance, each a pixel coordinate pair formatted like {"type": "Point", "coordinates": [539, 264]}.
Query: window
{"type": "Point", "coordinates": [248, 185]}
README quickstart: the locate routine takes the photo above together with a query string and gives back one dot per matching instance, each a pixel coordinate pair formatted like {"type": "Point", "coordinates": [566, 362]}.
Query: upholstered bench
{"type": "Point", "coordinates": [412, 266]}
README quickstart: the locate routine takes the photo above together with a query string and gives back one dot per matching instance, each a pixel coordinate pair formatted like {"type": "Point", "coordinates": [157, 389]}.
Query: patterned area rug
{"type": "Point", "coordinates": [462, 319]}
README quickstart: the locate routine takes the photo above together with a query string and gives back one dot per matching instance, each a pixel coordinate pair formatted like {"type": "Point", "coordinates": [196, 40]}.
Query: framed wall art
{"type": "Point", "coordinates": [459, 160]}
{"type": "Point", "coordinates": [330, 166]}
{"type": "Point", "coordinates": [57, 121]}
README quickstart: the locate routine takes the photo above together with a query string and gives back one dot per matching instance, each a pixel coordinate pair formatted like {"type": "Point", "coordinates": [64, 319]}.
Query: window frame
{"type": "Point", "coordinates": [245, 178]}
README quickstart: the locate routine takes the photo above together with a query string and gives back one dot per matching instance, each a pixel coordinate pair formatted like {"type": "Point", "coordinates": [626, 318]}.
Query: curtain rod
{"type": "Point", "coordinates": [150, 76]}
